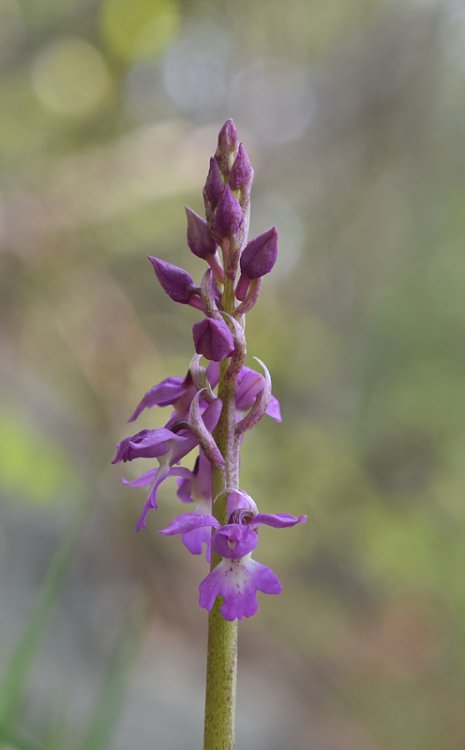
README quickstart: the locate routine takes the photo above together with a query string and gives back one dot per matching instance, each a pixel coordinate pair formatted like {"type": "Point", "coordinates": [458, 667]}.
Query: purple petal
{"type": "Point", "coordinates": [213, 373]}
{"type": "Point", "coordinates": [145, 444]}
{"type": "Point", "coordinates": [274, 409]}
{"type": "Point", "coordinates": [160, 474]}
{"type": "Point", "coordinates": [277, 520]}
{"type": "Point", "coordinates": [249, 384]}
{"type": "Point", "coordinates": [234, 541]}
{"type": "Point", "coordinates": [197, 539]}
{"type": "Point", "coordinates": [163, 394]}
{"type": "Point", "coordinates": [240, 500]}
{"type": "Point", "coordinates": [151, 500]}
{"type": "Point", "coordinates": [143, 481]}
{"type": "Point", "coordinates": [237, 582]}
{"type": "Point", "coordinates": [189, 522]}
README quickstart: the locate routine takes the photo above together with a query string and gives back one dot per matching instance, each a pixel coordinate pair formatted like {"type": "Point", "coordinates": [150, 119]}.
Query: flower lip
{"type": "Point", "coordinates": [234, 541]}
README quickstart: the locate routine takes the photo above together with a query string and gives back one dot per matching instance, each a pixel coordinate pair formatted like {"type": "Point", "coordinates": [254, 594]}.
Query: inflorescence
{"type": "Point", "coordinates": [196, 406]}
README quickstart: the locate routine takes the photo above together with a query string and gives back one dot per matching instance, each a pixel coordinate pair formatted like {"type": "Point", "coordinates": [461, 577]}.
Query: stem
{"type": "Point", "coordinates": [220, 698]}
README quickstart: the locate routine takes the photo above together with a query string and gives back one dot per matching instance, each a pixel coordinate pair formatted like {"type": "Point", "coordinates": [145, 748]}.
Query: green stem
{"type": "Point", "coordinates": [220, 698]}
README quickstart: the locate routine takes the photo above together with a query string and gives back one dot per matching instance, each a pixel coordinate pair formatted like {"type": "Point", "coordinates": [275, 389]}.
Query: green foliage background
{"type": "Point", "coordinates": [353, 114]}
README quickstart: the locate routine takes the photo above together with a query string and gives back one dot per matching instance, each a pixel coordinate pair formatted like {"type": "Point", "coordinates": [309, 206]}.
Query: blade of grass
{"type": "Point", "coordinates": [14, 681]}
{"type": "Point", "coordinates": [107, 709]}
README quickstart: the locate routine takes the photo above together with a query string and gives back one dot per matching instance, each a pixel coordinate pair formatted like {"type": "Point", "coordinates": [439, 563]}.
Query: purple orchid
{"type": "Point", "coordinates": [169, 448]}
{"type": "Point", "coordinates": [214, 405]}
{"type": "Point", "coordinates": [237, 577]}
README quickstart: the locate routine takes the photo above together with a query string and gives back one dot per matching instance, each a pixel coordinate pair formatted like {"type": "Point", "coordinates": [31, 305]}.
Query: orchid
{"type": "Point", "coordinates": [213, 407]}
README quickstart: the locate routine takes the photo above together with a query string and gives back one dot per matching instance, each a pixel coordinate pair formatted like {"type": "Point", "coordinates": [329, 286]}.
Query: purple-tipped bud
{"type": "Point", "coordinates": [214, 185]}
{"type": "Point", "coordinates": [177, 283]}
{"type": "Point", "coordinates": [242, 172]}
{"type": "Point", "coordinates": [228, 217]}
{"type": "Point", "coordinates": [199, 238]}
{"type": "Point", "coordinates": [260, 254]}
{"type": "Point", "coordinates": [213, 339]}
{"type": "Point", "coordinates": [228, 143]}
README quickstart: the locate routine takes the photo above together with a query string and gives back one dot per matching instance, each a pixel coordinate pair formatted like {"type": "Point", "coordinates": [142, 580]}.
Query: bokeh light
{"type": "Point", "coordinates": [140, 28]}
{"type": "Point", "coordinates": [71, 77]}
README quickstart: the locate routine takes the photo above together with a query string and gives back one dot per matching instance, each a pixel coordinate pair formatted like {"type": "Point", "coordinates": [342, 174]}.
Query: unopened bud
{"type": "Point", "coordinates": [242, 172]}
{"type": "Point", "coordinates": [228, 217]}
{"type": "Point", "coordinates": [214, 185]}
{"type": "Point", "coordinates": [228, 142]}
{"type": "Point", "coordinates": [199, 239]}
{"type": "Point", "coordinates": [213, 339]}
{"type": "Point", "coordinates": [259, 255]}
{"type": "Point", "coordinates": [177, 283]}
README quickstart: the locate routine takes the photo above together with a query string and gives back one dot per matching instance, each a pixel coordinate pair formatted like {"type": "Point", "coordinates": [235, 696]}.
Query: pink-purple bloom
{"type": "Point", "coordinates": [237, 577]}
{"type": "Point", "coordinates": [199, 421]}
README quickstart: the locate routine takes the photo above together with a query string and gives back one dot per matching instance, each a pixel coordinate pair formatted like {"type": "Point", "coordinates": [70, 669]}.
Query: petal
{"type": "Point", "coordinates": [237, 582]}
{"type": "Point", "coordinates": [235, 541]}
{"type": "Point", "coordinates": [189, 522]}
{"type": "Point", "coordinates": [278, 520]}
{"type": "Point", "coordinates": [240, 500]}
{"type": "Point", "coordinates": [274, 409]}
{"type": "Point", "coordinates": [151, 500]}
{"type": "Point", "coordinates": [163, 394]}
{"type": "Point", "coordinates": [198, 538]}
{"type": "Point", "coordinates": [143, 481]}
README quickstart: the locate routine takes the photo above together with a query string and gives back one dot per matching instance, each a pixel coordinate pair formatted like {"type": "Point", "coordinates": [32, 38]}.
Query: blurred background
{"type": "Point", "coordinates": [353, 115]}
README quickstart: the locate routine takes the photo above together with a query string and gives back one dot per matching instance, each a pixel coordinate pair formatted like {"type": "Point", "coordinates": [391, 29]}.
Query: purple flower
{"type": "Point", "coordinates": [146, 444]}
{"type": "Point", "coordinates": [213, 339]}
{"type": "Point", "coordinates": [237, 577]}
{"type": "Point", "coordinates": [169, 448]}
{"type": "Point", "coordinates": [197, 488]}
{"type": "Point", "coordinates": [237, 582]}
{"type": "Point", "coordinates": [199, 239]}
{"type": "Point", "coordinates": [177, 392]}
{"type": "Point", "coordinates": [165, 393]}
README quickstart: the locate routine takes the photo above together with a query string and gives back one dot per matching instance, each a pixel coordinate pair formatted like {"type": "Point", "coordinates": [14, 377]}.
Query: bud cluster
{"type": "Point", "coordinates": [228, 289]}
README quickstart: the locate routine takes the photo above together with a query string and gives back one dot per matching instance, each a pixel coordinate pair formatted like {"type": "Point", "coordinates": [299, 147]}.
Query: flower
{"type": "Point", "coordinates": [237, 577]}
{"type": "Point", "coordinates": [169, 448]}
{"type": "Point", "coordinates": [173, 391]}
{"type": "Point", "coordinates": [197, 488]}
